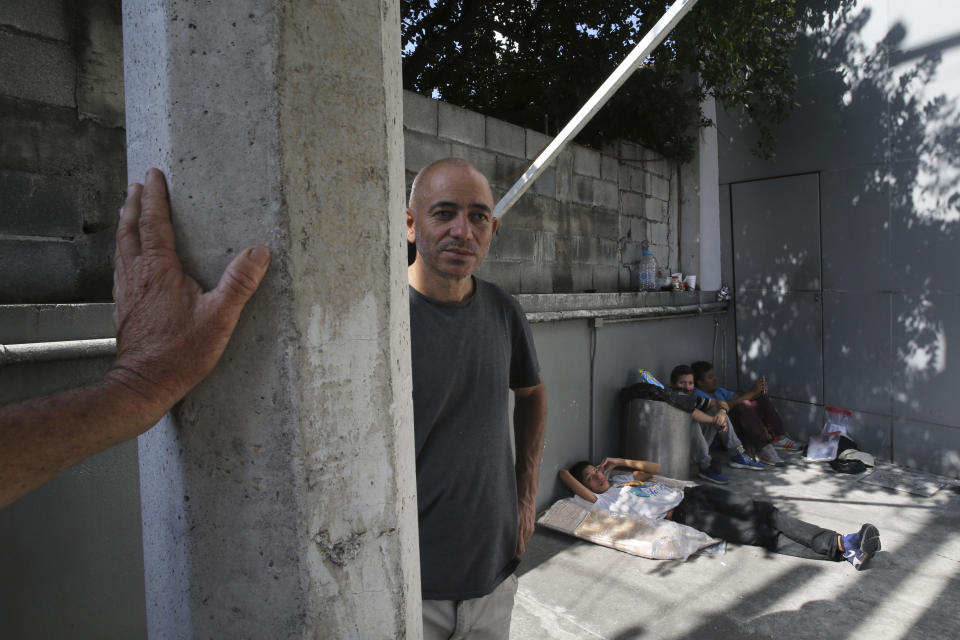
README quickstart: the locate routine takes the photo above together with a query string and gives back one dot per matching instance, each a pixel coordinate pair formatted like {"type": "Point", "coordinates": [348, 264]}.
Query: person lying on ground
{"type": "Point", "coordinates": [707, 428]}
{"type": "Point", "coordinates": [170, 334]}
{"type": "Point", "coordinates": [715, 511]}
{"type": "Point", "coordinates": [753, 415]}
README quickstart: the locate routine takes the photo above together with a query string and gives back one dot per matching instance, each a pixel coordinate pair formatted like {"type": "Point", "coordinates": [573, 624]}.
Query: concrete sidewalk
{"type": "Point", "coordinates": [910, 589]}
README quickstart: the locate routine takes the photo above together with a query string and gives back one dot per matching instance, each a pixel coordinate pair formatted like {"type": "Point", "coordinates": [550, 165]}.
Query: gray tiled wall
{"type": "Point", "coordinates": [888, 165]}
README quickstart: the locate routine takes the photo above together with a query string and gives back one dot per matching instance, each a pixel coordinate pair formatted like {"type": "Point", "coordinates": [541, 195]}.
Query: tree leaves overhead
{"type": "Point", "coordinates": [535, 62]}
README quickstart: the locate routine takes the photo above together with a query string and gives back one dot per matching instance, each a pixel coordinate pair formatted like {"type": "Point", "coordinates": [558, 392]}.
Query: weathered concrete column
{"type": "Point", "coordinates": [279, 497]}
{"type": "Point", "coordinates": [700, 206]}
{"type": "Point", "coordinates": [707, 156]}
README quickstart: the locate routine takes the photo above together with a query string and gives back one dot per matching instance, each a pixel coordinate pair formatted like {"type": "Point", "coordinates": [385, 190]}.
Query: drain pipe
{"type": "Point", "coordinates": [610, 86]}
{"type": "Point", "coordinates": [594, 325]}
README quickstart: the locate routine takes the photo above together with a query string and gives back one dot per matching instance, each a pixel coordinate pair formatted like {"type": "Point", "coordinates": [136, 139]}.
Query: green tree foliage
{"type": "Point", "coordinates": [535, 62]}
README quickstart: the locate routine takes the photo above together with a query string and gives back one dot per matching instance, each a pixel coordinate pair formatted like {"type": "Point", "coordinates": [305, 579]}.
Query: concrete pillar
{"type": "Point", "coordinates": [278, 499]}
{"type": "Point", "coordinates": [707, 156]}
{"type": "Point", "coordinates": [700, 208]}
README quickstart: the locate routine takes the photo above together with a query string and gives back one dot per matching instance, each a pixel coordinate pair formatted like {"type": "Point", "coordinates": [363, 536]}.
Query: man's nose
{"type": "Point", "coordinates": [460, 226]}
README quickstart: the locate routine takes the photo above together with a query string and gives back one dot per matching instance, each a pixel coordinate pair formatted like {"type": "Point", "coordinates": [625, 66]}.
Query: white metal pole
{"type": "Point", "coordinates": [640, 53]}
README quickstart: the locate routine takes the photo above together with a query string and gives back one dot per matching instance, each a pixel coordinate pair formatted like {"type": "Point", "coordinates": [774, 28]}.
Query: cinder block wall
{"type": "Point", "coordinates": [582, 223]}
{"type": "Point", "coordinates": [62, 158]}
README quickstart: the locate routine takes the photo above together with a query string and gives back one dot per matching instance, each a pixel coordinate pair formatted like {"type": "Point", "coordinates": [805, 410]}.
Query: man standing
{"type": "Point", "coordinates": [470, 344]}
{"type": "Point", "coordinates": [753, 415]}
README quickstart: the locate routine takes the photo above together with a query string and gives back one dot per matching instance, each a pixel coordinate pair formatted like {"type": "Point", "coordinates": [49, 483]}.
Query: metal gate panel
{"type": "Point", "coordinates": [779, 309]}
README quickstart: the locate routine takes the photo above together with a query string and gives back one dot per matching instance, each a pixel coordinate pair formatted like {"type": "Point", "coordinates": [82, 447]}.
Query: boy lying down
{"type": "Point", "coordinates": [715, 511]}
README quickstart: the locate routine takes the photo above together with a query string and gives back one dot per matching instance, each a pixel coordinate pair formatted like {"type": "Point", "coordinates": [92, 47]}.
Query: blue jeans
{"type": "Point", "coordinates": [702, 435]}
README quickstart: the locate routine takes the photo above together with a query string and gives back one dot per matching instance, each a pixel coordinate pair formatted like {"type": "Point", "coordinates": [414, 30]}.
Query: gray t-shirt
{"type": "Point", "coordinates": [466, 357]}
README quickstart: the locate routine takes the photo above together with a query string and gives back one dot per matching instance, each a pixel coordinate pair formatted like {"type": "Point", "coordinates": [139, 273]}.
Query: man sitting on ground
{"type": "Point", "coordinates": [707, 428]}
{"type": "Point", "coordinates": [714, 511]}
{"type": "Point", "coordinates": [754, 417]}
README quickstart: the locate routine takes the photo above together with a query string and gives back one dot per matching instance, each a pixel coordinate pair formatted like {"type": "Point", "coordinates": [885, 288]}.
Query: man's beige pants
{"type": "Point", "coordinates": [486, 618]}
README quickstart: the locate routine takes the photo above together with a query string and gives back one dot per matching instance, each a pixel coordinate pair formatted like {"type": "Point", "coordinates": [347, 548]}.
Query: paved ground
{"type": "Point", "coordinates": [911, 589]}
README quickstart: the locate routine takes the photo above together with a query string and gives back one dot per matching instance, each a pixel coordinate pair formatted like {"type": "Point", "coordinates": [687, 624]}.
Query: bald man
{"type": "Point", "coordinates": [471, 346]}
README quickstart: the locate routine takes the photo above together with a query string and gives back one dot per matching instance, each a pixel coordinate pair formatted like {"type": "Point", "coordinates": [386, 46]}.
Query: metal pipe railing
{"type": "Point", "coordinates": [629, 314]}
{"type": "Point", "coordinates": [53, 351]}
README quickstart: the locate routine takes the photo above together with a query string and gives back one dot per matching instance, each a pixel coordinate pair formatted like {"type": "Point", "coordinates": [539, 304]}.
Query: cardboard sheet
{"type": "Point", "coordinates": [636, 535]}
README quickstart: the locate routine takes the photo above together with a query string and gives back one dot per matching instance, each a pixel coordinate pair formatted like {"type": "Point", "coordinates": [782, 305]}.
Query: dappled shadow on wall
{"type": "Point", "coordinates": [903, 209]}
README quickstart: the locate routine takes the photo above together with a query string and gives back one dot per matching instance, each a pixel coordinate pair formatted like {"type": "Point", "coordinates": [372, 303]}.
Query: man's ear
{"type": "Point", "coordinates": [496, 223]}
{"type": "Point", "coordinates": [411, 230]}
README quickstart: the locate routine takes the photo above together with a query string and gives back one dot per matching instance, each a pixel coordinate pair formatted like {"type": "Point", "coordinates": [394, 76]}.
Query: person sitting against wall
{"type": "Point", "coordinates": [715, 511]}
{"type": "Point", "coordinates": [753, 415]}
{"type": "Point", "coordinates": [707, 428]}
{"type": "Point", "coordinates": [170, 334]}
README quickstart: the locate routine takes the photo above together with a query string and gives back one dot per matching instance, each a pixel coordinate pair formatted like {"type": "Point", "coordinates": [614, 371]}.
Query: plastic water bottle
{"type": "Point", "coordinates": [647, 271]}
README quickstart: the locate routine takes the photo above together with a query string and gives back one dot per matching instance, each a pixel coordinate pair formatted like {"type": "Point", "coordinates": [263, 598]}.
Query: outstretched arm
{"type": "Point", "coordinates": [641, 468]}
{"type": "Point", "coordinates": [529, 425]}
{"type": "Point", "coordinates": [719, 420]}
{"type": "Point", "coordinates": [701, 417]}
{"type": "Point", "coordinates": [170, 334]}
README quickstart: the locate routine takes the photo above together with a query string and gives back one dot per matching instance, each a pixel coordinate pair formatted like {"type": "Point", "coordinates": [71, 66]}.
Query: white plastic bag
{"type": "Point", "coordinates": [636, 535]}
{"type": "Point", "coordinates": [823, 448]}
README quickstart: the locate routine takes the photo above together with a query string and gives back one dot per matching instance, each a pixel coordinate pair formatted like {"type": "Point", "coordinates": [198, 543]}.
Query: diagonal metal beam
{"type": "Point", "coordinates": [620, 75]}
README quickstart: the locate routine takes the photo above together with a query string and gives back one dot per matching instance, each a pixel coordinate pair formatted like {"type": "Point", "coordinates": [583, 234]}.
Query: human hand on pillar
{"type": "Point", "coordinates": [170, 333]}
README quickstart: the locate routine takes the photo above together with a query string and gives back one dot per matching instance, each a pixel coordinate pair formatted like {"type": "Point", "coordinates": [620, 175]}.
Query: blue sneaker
{"type": "Point", "coordinates": [741, 461]}
{"type": "Point", "coordinates": [859, 547]}
{"type": "Point", "coordinates": [713, 475]}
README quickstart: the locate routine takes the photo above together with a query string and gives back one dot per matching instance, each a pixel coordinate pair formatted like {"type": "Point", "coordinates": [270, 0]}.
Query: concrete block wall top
{"type": "Point", "coordinates": [461, 125]}
{"type": "Point", "coordinates": [536, 142]}
{"type": "Point", "coordinates": [586, 161]}
{"type": "Point", "coordinates": [420, 113]}
{"type": "Point", "coordinates": [504, 137]}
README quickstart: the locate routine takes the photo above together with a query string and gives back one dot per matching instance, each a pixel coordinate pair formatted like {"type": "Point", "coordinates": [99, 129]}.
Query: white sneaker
{"type": "Point", "coordinates": [786, 443]}
{"type": "Point", "coordinates": [768, 455]}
